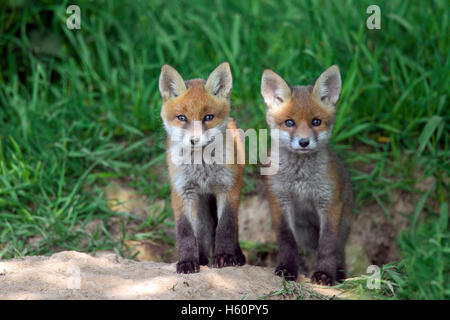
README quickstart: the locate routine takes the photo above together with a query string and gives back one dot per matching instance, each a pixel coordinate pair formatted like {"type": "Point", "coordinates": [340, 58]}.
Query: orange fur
{"type": "Point", "coordinates": [185, 106]}
{"type": "Point", "coordinates": [311, 195]}
{"type": "Point", "coordinates": [302, 107]}
{"type": "Point", "coordinates": [234, 194]}
{"type": "Point", "coordinates": [195, 103]}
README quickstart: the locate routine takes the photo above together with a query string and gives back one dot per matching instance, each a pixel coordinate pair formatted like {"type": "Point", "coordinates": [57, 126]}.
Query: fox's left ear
{"type": "Point", "coordinates": [328, 87]}
{"type": "Point", "coordinates": [220, 82]}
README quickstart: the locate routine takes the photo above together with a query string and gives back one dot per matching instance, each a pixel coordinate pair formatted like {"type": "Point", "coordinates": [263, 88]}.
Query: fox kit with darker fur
{"type": "Point", "coordinates": [205, 196]}
{"type": "Point", "coordinates": [311, 195]}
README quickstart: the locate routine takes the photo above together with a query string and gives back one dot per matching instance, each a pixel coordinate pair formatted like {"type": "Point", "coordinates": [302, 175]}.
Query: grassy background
{"type": "Point", "coordinates": [79, 108]}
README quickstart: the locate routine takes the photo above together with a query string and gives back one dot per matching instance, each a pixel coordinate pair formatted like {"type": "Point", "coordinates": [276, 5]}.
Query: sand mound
{"type": "Point", "coordinates": [75, 275]}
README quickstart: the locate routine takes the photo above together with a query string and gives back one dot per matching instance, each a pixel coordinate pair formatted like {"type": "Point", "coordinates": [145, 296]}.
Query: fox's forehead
{"type": "Point", "coordinates": [302, 105]}
{"type": "Point", "coordinates": [195, 83]}
{"type": "Point", "coordinates": [195, 102]}
{"type": "Point", "coordinates": [195, 98]}
{"type": "Point", "coordinates": [302, 93]}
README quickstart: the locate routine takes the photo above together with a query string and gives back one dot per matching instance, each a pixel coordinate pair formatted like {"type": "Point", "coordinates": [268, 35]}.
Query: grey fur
{"type": "Point", "coordinates": [197, 184]}
{"type": "Point", "coordinates": [305, 192]}
{"type": "Point", "coordinates": [203, 187]}
{"type": "Point", "coordinates": [302, 184]}
{"type": "Point", "coordinates": [191, 179]}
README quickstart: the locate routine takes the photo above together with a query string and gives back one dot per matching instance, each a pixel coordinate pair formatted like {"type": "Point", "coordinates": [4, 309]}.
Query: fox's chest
{"type": "Point", "coordinates": [305, 181]}
{"type": "Point", "coordinates": [202, 178]}
{"type": "Point", "coordinates": [312, 193]}
{"type": "Point", "coordinates": [307, 188]}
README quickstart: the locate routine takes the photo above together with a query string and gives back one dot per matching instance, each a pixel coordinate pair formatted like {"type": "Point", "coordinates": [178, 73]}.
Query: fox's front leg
{"type": "Point", "coordinates": [282, 211]}
{"type": "Point", "coordinates": [227, 251]}
{"type": "Point", "coordinates": [185, 214]}
{"type": "Point", "coordinates": [326, 268]}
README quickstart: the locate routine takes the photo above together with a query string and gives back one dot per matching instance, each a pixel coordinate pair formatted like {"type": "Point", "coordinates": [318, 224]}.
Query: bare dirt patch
{"type": "Point", "coordinates": [372, 239]}
{"type": "Point", "coordinates": [75, 275]}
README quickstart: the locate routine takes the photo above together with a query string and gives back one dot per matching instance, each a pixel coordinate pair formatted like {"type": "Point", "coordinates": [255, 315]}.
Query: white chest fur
{"type": "Point", "coordinates": [303, 179]}
{"type": "Point", "coordinates": [202, 178]}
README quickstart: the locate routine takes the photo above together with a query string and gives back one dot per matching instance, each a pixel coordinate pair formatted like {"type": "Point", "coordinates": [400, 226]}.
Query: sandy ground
{"type": "Point", "coordinates": [75, 275]}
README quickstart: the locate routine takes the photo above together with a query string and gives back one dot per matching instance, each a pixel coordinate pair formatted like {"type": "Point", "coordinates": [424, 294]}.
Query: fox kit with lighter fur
{"type": "Point", "coordinates": [311, 195]}
{"type": "Point", "coordinates": [205, 196]}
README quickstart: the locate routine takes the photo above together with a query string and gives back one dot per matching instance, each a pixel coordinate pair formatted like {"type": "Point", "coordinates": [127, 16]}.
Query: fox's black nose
{"type": "Point", "coordinates": [303, 142]}
{"type": "Point", "coordinates": [194, 141]}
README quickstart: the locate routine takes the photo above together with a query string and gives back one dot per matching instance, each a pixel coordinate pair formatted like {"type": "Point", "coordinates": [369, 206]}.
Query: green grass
{"type": "Point", "coordinates": [297, 291]}
{"type": "Point", "coordinates": [79, 108]}
{"type": "Point", "coordinates": [424, 272]}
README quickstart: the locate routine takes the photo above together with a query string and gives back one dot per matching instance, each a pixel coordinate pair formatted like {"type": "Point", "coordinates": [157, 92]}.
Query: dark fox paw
{"type": "Point", "coordinates": [227, 260]}
{"type": "Point", "coordinates": [240, 258]}
{"type": "Point", "coordinates": [322, 278]}
{"type": "Point", "coordinates": [188, 267]}
{"type": "Point", "coordinates": [203, 260]}
{"type": "Point", "coordinates": [341, 276]}
{"type": "Point", "coordinates": [290, 273]}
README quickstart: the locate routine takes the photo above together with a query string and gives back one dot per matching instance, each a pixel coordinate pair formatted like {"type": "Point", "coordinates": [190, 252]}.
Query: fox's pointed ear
{"type": "Point", "coordinates": [220, 81]}
{"type": "Point", "coordinates": [274, 89]}
{"type": "Point", "coordinates": [171, 84]}
{"type": "Point", "coordinates": [328, 87]}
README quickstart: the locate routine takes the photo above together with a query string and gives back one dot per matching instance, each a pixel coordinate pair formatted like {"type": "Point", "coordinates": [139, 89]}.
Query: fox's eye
{"type": "Point", "coordinates": [289, 123]}
{"type": "Point", "coordinates": [316, 122]}
{"type": "Point", "coordinates": [208, 117]}
{"type": "Point", "coordinates": [182, 118]}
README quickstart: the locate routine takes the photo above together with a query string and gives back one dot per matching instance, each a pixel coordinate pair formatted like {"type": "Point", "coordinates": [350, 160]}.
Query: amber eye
{"type": "Point", "coordinates": [316, 122]}
{"type": "Point", "coordinates": [289, 123]}
{"type": "Point", "coordinates": [208, 117]}
{"type": "Point", "coordinates": [182, 118]}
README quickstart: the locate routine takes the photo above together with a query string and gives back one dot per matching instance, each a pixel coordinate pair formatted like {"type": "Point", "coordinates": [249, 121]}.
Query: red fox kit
{"type": "Point", "coordinates": [310, 195]}
{"type": "Point", "coordinates": [205, 196]}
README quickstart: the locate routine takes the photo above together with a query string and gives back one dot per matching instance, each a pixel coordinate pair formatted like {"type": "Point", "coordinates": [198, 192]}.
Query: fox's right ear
{"type": "Point", "coordinates": [171, 84]}
{"type": "Point", "coordinates": [328, 87]}
{"type": "Point", "coordinates": [220, 81]}
{"type": "Point", "coordinates": [274, 89]}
